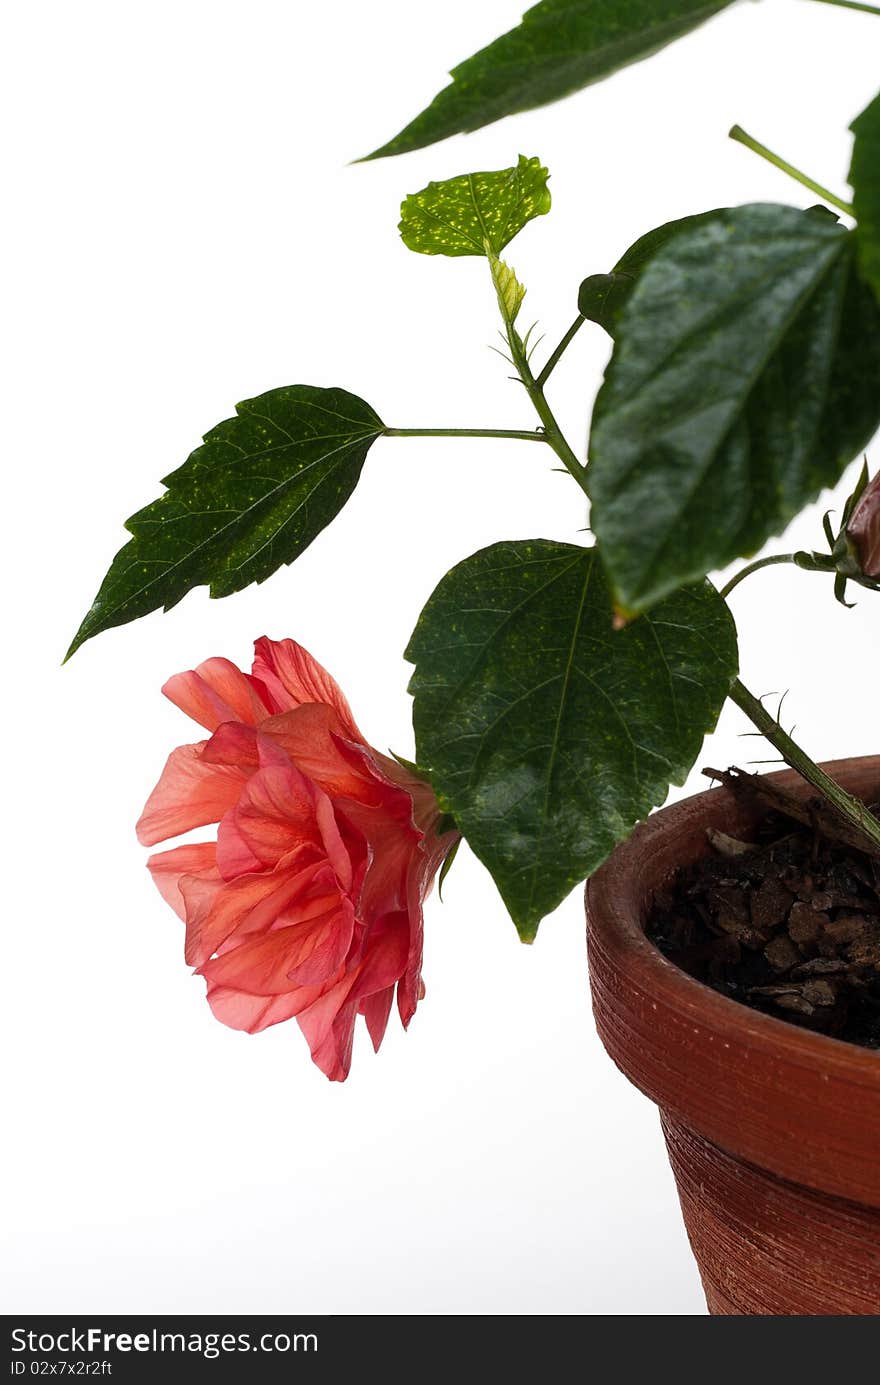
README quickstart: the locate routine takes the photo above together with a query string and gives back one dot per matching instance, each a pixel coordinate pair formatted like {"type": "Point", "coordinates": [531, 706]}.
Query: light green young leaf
{"type": "Point", "coordinates": [508, 288]}
{"type": "Point", "coordinates": [475, 213]}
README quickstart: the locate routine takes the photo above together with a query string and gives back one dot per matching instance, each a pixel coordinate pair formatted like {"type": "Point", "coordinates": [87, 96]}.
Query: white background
{"type": "Point", "coordinates": [187, 233]}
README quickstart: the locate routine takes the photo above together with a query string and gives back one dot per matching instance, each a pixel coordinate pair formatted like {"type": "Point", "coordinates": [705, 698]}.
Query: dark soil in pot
{"type": "Point", "coordinates": [786, 921]}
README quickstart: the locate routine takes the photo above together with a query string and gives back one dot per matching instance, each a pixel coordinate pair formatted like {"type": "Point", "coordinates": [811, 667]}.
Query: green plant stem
{"type": "Point", "coordinates": [554, 359]}
{"type": "Point", "coordinates": [465, 433]}
{"type": "Point", "coordinates": [738, 133]}
{"type": "Point", "coordinates": [853, 5]}
{"type": "Point", "coordinates": [755, 567]}
{"type": "Point", "coordinates": [509, 294]}
{"type": "Point", "coordinates": [552, 432]}
{"type": "Point", "coordinates": [848, 807]}
{"type": "Point", "coordinates": [520, 360]}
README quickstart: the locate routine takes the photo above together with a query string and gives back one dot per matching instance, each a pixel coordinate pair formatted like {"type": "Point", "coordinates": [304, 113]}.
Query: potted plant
{"type": "Point", "coordinates": [560, 688]}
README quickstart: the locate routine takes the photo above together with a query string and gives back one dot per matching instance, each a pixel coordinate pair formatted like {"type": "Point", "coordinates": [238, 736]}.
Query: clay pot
{"type": "Point", "coordinates": [773, 1131]}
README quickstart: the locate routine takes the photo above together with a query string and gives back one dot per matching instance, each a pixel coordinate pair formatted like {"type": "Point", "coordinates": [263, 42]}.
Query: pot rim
{"type": "Point", "coordinates": [689, 1037]}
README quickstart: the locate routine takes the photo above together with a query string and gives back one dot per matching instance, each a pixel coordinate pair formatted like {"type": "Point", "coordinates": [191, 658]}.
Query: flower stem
{"type": "Point", "coordinates": [738, 133]}
{"type": "Point", "coordinates": [848, 807]}
{"type": "Point", "coordinates": [853, 5]}
{"type": "Point", "coordinates": [465, 433]}
{"type": "Point", "coordinates": [553, 361]}
{"type": "Point", "coordinates": [754, 567]}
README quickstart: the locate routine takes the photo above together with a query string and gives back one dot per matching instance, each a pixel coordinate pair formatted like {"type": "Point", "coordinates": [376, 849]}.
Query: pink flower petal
{"type": "Point", "coordinates": [392, 842]}
{"type": "Point", "coordinates": [253, 1013]}
{"type": "Point", "coordinates": [293, 678]}
{"type": "Point", "coordinates": [375, 1009]}
{"type": "Point", "coordinates": [216, 692]}
{"type": "Point", "coordinates": [190, 793]}
{"type": "Point", "coordinates": [234, 856]}
{"type": "Point", "coordinates": [264, 965]}
{"type": "Point", "coordinates": [167, 868]}
{"type": "Point", "coordinates": [328, 1024]}
{"type": "Point", "coordinates": [276, 812]}
{"type": "Point", "coordinates": [319, 893]}
{"type": "Point", "coordinates": [216, 908]}
{"type": "Point", "coordinates": [329, 944]}
{"type": "Point", "coordinates": [235, 744]}
{"type": "Point", "coordinates": [312, 738]}
{"type": "Point", "coordinates": [423, 867]}
{"type": "Point", "coordinates": [385, 955]}
{"type": "Point", "coordinates": [331, 838]}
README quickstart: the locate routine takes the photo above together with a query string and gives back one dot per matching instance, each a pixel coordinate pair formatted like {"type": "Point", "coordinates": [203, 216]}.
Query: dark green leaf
{"type": "Point", "coordinates": [261, 487]}
{"type": "Point", "coordinates": [865, 178]}
{"type": "Point", "coordinates": [602, 297]}
{"type": "Point", "coordinates": [745, 377]}
{"type": "Point", "coordinates": [560, 46]}
{"type": "Point", "coordinates": [546, 732]}
{"type": "Point", "coordinates": [475, 213]}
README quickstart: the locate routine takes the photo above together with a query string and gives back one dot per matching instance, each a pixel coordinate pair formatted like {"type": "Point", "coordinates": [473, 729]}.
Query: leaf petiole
{"type": "Point", "coordinates": [738, 134]}
{"type": "Point", "coordinates": [523, 435]}
{"type": "Point", "coordinates": [556, 355]}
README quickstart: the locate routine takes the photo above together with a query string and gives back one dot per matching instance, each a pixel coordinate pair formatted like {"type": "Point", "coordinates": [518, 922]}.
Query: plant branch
{"type": "Point", "coordinates": [510, 295]}
{"type": "Point", "coordinates": [853, 5]}
{"type": "Point", "coordinates": [738, 133]}
{"type": "Point", "coordinates": [554, 359]}
{"type": "Point", "coordinates": [755, 567]}
{"type": "Point", "coordinates": [847, 807]}
{"type": "Point", "coordinates": [465, 433]}
{"type": "Point", "coordinates": [552, 432]}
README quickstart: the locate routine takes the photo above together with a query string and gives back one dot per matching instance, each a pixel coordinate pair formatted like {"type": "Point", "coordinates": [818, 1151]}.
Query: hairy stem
{"type": "Point", "coordinates": [755, 567]}
{"type": "Point", "coordinates": [510, 293]}
{"type": "Point", "coordinates": [738, 133]}
{"type": "Point", "coordinates": [554, 359]}
{"type": "Point", "coordinates": [552, 432]}
{"type": "Point", "coordinates": [848, 807]}
{"type": "Point", "coordinates": [465, 433]}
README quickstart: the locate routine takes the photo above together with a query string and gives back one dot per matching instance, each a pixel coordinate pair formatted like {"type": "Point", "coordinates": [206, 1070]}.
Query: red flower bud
{"type": "Point", "coordinates": [863, 528]}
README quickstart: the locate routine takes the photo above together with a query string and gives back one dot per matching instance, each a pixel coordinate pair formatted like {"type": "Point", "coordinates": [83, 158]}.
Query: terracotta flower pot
{"type": "Point", "coordinates": [773, 1131]}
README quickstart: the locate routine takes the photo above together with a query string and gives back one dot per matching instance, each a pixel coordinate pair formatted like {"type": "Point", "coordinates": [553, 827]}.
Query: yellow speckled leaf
{"type": "Point", "coordinates": [475, 213]}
